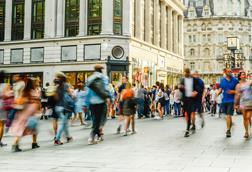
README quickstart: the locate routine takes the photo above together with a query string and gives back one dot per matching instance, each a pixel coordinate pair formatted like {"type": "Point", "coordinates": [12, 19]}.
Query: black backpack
{"type": "Point", "coordinates": [98, 87]}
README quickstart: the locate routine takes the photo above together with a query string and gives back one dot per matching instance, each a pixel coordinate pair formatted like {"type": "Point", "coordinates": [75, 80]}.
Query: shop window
{"type": "Point", "coordinates": [18, 20]}
{"type": "Point", "coordinates": [94, 17]}
{"type": "Point", "coordinates": [72, 18]}
{"type": "Point", "coordinates": [2, 19]}
{"type": "Point", "coordinates": [38, 15]}
{"type": "Point", "coordinates": [69, 53]}
{"type": "Point", "coordinates": [37, 55]}
{"type": "Point", "coordinates": [17, 55]}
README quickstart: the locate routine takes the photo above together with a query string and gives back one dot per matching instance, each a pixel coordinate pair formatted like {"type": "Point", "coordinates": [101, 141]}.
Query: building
{"type": "Point", "coordinates": [207, 25]}
{"type": "Point", "coordinates": [141, 38]}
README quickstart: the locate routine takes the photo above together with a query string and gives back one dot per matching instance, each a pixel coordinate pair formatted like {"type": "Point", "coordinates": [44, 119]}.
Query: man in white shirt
{"type": "Point", "coordinates": [213, 95]}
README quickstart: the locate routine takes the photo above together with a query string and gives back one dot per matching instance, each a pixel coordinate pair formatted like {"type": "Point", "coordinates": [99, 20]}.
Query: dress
{"type": "Point", "coordinates": [246, 96]}
{"type": "Point", "coordinates": [80, 96]}
{"type": "Point", "coordinates": [19, 125]}
{"type": "Point", "coordinates": [129, 102]}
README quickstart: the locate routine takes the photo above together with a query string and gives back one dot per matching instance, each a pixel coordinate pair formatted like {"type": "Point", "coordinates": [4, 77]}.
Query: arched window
{"type": "Point", "coordinates": [206, 52]}
{"type": "Point", "coordinates": [72, 18]}
{"type": "Point", "coordinates": [192, 52]}
{"type": "Point", "coordinates": [94, 17]}
{"type": "Point", "coordinates": [118, 17]}
{"type": "Point", "coordinates": [195, 27]}
{"type": "Point", "coordinates": [189, 28]}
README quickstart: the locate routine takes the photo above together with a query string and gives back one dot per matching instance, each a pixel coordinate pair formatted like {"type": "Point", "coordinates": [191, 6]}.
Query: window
{"type": "Point", "coordinates": [194, 38]}
{"type": "Point", "coordinates": [38, 15]}
{"type": "Point", "coordinates": [69, 53]}
{"type": "Point", "coordinates": [18, 20]}
{"type": "Point", "coordinates": [117, 17]}
{"type": "Point", "coordinates": [203, 27]}
{"type": "Point", "coordinates": [204, 38]}
{"type": "Point", "coordinates": [94, 17]}
{"type": "Point", "coordinates": [92, 52]}
{"type": "Point", "coordinates": [37, 55]}
{"type": "Point", "coordinates": [1, 56]}
{"type": "Point", "coordinates": [17, 55]}
{"type": "Point", "coordinates": [192, 66]}
{"type": "Point", "coordinates": [206, 52]}
{"type": "Point", "coordinates": [190, 38]}
{"type": "Point", "coordinates": [195, 27]}
{"type": "Point", "coordinates": [250, 38]}
{"type": "Point", "coordinates": [208, 37]}
{"type": "Point", "coordinates": [2, 19]}
{"type": "Point", "coordinates": [72, 18]}
{"type": "Point", "coordinates": [192, 52]}
{"type": "Point", "coordinates": [189, 29]}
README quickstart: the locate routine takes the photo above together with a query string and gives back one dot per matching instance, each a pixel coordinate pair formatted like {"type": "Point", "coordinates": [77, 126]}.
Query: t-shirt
{"type": "Point", "coordinates": [188, 87]}
{"type": "Point", "coordinates": [177, 96]}
{"type": "Point", "coordinates": [121, 88]}
{"type": "Point", "coordinates": [213, 95]}
{"type": "Point", "coordinates": [227, 85]}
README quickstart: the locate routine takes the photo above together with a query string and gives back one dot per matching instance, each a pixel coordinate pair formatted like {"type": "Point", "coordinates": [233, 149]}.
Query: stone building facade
{"type": "Point", "coordinates": [139, 38]}
{"type": "Point", "coordinates": [207, 25]}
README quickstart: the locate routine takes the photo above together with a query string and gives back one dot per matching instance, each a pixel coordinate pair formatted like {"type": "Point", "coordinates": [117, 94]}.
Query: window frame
{"type": "Point", "coordinates": [31, 54]}
{"type": "Point", "coordinates": [61, 53]}
{"type": "Point", "coordinates": [2, 29]}
{"type": "Point", "coordinates": [22, 56]}
{"type": "Point", "coordinates": [117, 20]}
{"type": "Point", "coordinates": [72, 23]}
{"type": "Point", "coordinates": [3, 56]}
{"type": "Point", "coordinates": [94, 21]}
{"type": "Point", "coordinates": [15, 26]}
{"type": "Point", "coordinates": [37, 24]}
{"type": "Point", "coordinates": [84, 52]}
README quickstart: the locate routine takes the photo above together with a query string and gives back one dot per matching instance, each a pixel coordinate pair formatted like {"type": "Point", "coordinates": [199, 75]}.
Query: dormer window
{"type": "Point", "coordinates": [206, 11]}
{"type": "Point", "coordinates": [191, 12]}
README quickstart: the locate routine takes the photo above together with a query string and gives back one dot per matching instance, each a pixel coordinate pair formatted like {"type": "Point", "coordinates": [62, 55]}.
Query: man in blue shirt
{"type": "Point", "coordinates": [227, 87]}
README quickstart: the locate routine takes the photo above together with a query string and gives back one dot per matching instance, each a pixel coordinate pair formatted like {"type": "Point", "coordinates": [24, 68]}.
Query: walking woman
{"type": "Point", "coordinates": [244, 98]}
{"type": "Point", "coordinates": [64, 107]}
{"type": "Point", "coordinates": [25, 122]}
{"type": "Point", "coordinates": [129, 108]}
{"type": "Point", "coordinates": [160, 102]}
{"type": "Point", "coordinates": [80, 96]}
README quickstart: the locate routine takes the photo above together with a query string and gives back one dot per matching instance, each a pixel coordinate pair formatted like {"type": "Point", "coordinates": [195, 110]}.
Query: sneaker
{"type": "Point", "coordinates": [157, 117]}
{"type": "Point", "coordinates": [2, 144]}
{"type": "Point", "coordinates": [133, 132]}
{"type": "Point", "coordinates": [35, 146]}
{"type": "Point", "coordinates": [118, 129]}
{"type": "Point", "coordinates": [187, 134]}
{"type": "Point", "coordinates": [246, 136]}
{"type": "Point", "coordinates": [15, 148]}
{"type": "Point", "coordinates": [203, 124]}
{"type": "Point", "coordinates": [100, 139]}
{"type": "Point", "coordinates": [228, 134]}
{"type": "Point", "coordinates": [125, 133]}
{"type": "Point", "coordinates": [193, 128]}
{"type": "Point", "coordinates": [92, 142]}
{"type": "Point", "coordinates": [57, 142]}
{"type": "Point", "coordinates": [69, 139]}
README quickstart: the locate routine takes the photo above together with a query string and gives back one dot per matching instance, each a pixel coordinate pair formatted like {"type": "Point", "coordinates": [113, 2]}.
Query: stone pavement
{"type": "Point", "coordinates": [159, 146]}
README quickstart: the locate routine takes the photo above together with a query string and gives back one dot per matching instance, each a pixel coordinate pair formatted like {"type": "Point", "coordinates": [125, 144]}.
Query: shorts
{"type": "Point", "coordinates": [228, 108]}
{"type": "Point", "coordinates": [198, 107]}
{"type": "Point", "coordinates": [54, 114]}
{"type": "Point", "coordinates": [189, 105]}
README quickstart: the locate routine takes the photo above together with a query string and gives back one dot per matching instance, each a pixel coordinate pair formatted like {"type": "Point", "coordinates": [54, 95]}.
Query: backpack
{"type": "Point", "coordinates": [98, 87]}
{"type": "Point", "coordinates": [68, 102]}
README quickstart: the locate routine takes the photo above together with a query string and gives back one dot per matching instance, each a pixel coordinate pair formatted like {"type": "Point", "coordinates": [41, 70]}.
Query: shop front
{"type": "Point", "coordinates": [77, 77]}
{"type": "Point", "coordinates": [37, 75]}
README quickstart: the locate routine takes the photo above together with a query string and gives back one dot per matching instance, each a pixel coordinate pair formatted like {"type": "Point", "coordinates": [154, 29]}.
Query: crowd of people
{"type": "Point", "coordinates": [24, 102]}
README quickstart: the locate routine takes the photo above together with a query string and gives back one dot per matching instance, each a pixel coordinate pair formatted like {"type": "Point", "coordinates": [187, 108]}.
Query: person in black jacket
{"type": "Point", "coordinates": [189, 89]}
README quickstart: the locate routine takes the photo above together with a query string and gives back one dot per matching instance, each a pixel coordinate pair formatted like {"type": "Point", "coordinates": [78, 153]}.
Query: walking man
{"type": "Point", "coordinates": [227, 86]}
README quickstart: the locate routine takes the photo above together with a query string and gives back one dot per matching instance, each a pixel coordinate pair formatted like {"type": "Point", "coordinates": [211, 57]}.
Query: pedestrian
{"type": "Point", "coordinates": [200, 98]}
{"type": "Point", "coordinates": [120, 104]}
{"type": "Point", "coordinates": [97, 95]}
{"type": "Point", "coordinates": [140, 99]}
{"type": "Point", "coordinates": [64, 107]}
{"type": "Point", "coordinates": [177, 101]}
{"type": "Point", "coordinates": [167, 93]}
{"type": "Point", "coordinates": [213, 95]}
{"type": "Point", "coordinates": [188, 87]}
{"type": "Point", "coordinates": [160, 100]}
{"type": "Point", "coordinates": [26, 121]}
{"type": "Point", "coordinates": [227, 86]}
{"type": "Point", "coordinates": [129, 108]}
{"type": "Point", "coordinates": [243, 100]}
{"type": "Point", "coordinates": [44, 102]}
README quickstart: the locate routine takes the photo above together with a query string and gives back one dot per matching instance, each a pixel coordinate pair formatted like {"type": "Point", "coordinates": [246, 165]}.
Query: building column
{"type": "Point", "coordinates": [50, 18]}
{"type": "Point", "coordinates": [148, 21]}
{"type": "Point", "coordinates": [60, 18]}
{"type": "Point", "coordinates": [181, 32]}
{"type": "Point", "coordinates": [175, 29]}
{"type": "Point", "coordinates": [170, 30]}
{"type": "Point", "coordinates": [27, 19]}
{"type": "Point", "coordinates": [83, 18]}
{"type": "Point", "coordinates": [139, 19]}
{"type": "Point", "coordinates": [126, 22]}
{"type": "Point", "coordinates": [156, 23]}
{"type": "Point", "coordinates": [107, 17]}
{"type": "Point", "coordinates": [163, 25]}
{"type": "Point", "coordinates": [8, 20]}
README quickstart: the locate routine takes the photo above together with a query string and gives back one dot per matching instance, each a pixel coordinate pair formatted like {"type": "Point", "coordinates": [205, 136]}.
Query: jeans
{"type": "Point", "coordinates": [63, 122]}
{"type": "Point", "coordinates": [98, 113]}
{"type": "Point", "coordinates": [177, 108]}
{"type": "Point", "coordinates": [140, 107]}
{"type": "Point", "coordinates": [167, 107]}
